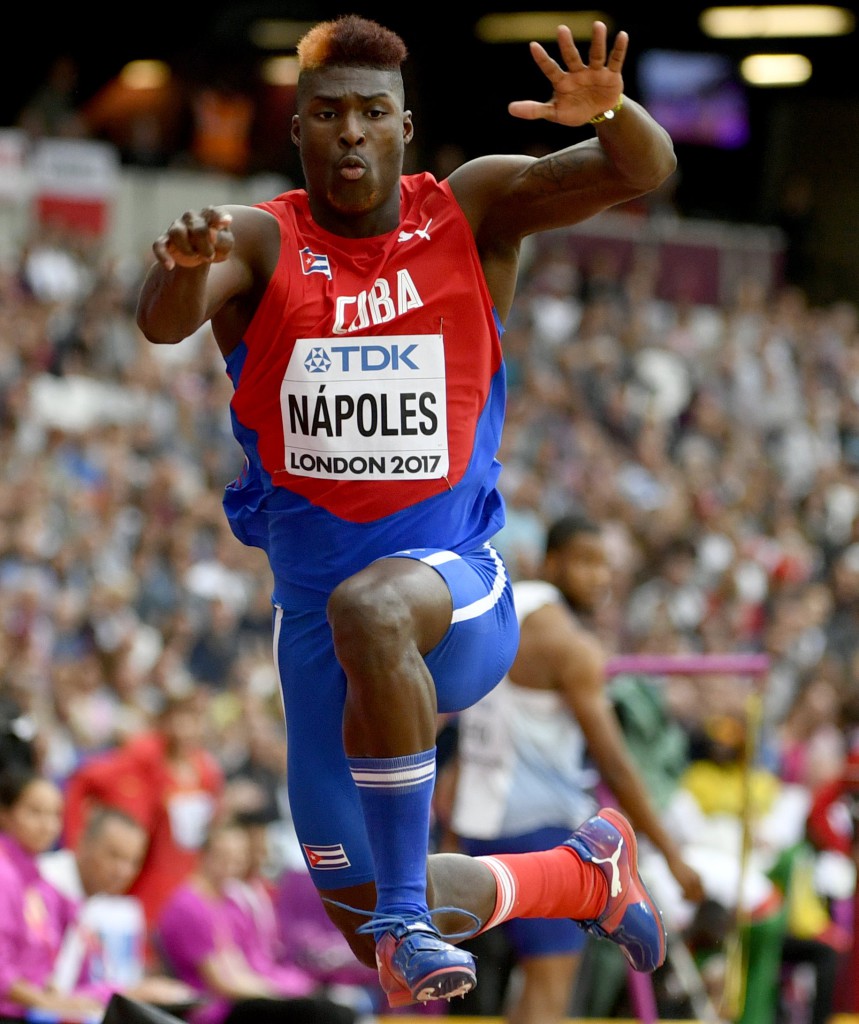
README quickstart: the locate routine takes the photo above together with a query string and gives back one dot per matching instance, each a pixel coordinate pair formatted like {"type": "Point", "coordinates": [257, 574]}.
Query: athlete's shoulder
{"type": "Point", "coordinates": [285, 203]}
{"type": "Point", "coordinates": [424, 186]}
{"type": "Point", "coordinates": [422, 180]}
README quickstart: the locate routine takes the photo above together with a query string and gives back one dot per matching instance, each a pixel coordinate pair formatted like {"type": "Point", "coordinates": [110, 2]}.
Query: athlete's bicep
{"type": "Point", "coordinates": [227, 280]}
{"type": "Point", "coordinates": [508, 198]}
{"type": "Point", "coordinates": [581, 672]}
{"type": "Point", "coordinates": [235, 286]}
{"type": "Point", "coordinates": [484, 185]}
{"type": "Point", "coordinates": [252, 259]}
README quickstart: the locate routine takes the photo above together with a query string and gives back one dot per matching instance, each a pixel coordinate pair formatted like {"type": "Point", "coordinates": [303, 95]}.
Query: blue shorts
{"type": "Point", "coordinates": [533, 936]}
{"type": "Point", "coordinates": [472, 657]}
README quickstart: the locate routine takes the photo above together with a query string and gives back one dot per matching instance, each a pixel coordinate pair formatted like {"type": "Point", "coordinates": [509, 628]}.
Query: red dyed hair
{"type": "Point", "coordinates": [351, 41]}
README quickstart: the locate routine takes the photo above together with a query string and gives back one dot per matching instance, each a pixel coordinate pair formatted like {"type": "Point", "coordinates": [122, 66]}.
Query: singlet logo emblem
{"type": "Point", "coordinates": [423, 232]}
{"type": "Point", "coordinates": [314, 262]}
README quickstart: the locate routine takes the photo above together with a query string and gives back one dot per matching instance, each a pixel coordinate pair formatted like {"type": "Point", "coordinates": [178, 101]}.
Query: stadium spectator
{"type": "Point", "coordinates": [168, 781]}
{"type": "Point", "coordinates": [34, 915]}
{"type": "Point", "coordinates": [211, 943]}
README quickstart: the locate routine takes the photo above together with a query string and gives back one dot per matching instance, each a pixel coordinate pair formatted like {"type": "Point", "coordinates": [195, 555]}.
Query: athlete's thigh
{"type": "Point", "coordinates": [480, 643]}
{"type": "Point", "coordinates": [323, 799]}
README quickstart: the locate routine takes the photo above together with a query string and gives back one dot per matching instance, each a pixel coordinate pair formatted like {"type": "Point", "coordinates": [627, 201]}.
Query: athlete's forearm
{"type": "Point", "coordinates": [637, 146]}
{"type": "Point", "coordinates": [635, 800]}
{"type": "Point", "coordinates": [172, 303]}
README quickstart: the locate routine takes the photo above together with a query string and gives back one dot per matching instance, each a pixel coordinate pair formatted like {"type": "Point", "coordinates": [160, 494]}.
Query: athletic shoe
{"type": "Point", "coordinates": [630, 919]}
{"type": "Point", "coordinates": [416, 965]}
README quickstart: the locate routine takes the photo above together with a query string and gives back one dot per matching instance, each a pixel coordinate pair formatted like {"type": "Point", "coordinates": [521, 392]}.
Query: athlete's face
{"type": "Point", "coordinates": [352, 130]}
{"type": "Point", "coordinates": [581, 571]}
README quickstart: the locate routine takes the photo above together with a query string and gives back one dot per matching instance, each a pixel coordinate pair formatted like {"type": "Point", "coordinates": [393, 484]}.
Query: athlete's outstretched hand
{"type": "Point", "coordinates": [582, 91]}
{"type": "Point", "coordinates": [196, 238]}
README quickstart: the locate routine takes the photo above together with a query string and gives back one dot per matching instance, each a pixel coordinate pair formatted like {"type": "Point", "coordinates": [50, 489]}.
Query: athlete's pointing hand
{"type": "Point", "coordinates": [196, 238]}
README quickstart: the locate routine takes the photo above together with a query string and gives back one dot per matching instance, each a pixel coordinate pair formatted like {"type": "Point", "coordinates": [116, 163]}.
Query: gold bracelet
{"type": "Point", "coordinates": [609, 114]}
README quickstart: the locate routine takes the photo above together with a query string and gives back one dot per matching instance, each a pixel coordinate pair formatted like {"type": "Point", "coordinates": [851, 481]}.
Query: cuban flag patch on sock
{"type": "Point", "coordinates": [322, 857]}
{"type": "Point", "coordinates": [314, 262]}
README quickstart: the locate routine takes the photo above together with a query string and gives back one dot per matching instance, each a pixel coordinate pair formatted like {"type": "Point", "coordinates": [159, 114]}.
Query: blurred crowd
{"type": "Point", "coordinates": [718, 446]}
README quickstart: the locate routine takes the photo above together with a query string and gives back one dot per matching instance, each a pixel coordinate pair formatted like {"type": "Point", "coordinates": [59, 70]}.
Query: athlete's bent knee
{"type": "Point", "coordinates": [360, 612]}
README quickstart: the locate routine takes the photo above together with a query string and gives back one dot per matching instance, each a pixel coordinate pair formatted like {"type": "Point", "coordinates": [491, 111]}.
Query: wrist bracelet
{"type": "Point", "coordinates": [609, 114]}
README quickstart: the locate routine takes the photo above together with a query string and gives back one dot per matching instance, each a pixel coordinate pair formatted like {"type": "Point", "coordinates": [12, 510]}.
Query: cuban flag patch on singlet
{"type": "Point", "coordinates": [314, 262]}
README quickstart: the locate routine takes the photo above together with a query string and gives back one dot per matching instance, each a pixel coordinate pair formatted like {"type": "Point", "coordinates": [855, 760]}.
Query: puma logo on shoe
{"type": "Point", "coordinates": [630, 918]}
{"type": "Point", "coordinates": [616, 887]}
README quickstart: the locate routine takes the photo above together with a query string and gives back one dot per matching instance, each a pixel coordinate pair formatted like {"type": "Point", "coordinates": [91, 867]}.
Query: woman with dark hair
{"type": "Point", "coordinates": [33, 914]}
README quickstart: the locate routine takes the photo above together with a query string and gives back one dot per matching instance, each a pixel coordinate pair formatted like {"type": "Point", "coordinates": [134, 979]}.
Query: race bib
{"type": "Point", "coordinates": [366, 408]}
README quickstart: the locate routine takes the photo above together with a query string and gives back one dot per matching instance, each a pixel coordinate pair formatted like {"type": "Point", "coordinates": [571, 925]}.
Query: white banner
{"type": "Point", "coordinates": [75, 168]}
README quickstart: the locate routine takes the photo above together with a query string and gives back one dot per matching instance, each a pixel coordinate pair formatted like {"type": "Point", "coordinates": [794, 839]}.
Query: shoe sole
{"type": "Point", "coordinates": [623, 826]}
{"type": "Point", "coordinates": [445, 984]}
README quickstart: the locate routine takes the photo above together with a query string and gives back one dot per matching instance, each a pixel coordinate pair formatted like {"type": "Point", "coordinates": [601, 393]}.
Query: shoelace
{"type": "Point", "coordinates": [379, 923]}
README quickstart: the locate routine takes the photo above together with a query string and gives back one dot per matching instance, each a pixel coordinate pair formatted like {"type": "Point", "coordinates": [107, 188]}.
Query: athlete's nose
{"type": "Point", "coordinates": [353, 131]}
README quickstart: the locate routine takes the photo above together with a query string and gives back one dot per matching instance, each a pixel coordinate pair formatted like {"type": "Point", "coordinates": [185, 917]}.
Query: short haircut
{"type": "Point", "coordinates": [350, 41]}
{"type": "Point", "coordinates": [564, 529]}
{"type": "Point", "coordinates": [101, 817]}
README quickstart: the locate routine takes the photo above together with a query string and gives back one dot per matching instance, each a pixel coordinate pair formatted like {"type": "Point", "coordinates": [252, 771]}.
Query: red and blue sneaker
{"type": "Point", "coordinates": [416, 963]}
{"type": "Point", "coordinates": [630, 919]}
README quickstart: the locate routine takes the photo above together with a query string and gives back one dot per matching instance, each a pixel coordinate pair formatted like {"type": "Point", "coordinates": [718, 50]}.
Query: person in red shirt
{"type": "Point", "coordinates": [165, 779]}
{"type": "Point", "coordinates": [832, 827]}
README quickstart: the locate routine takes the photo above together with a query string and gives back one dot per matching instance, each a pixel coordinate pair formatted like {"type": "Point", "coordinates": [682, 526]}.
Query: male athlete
{"type": "Point", "coordinates": [528, 752]}
{"type": "Point", "coordinates": [360, 321]}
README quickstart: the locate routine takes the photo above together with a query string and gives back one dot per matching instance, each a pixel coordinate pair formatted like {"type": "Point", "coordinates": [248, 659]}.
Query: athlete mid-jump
{"type": "Point", "coordinates": [360, 320]}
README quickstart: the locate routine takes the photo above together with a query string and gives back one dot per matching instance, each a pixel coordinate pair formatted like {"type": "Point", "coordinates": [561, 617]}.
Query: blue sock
{"type": "Point", "coordinates": [396, 795]}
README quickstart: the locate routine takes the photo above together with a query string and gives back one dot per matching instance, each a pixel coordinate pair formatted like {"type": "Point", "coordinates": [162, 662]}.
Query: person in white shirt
{"type": "Point", "coordinates": [97, 874]}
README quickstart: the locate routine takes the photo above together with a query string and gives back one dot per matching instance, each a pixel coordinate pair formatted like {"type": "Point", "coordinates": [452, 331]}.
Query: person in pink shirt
{"type": "Point", "coordinates": [203, 934]}
{"type": "Point", "coordinates": [251, 912]}
{"type": "Point", "coordinates": [270, 924]}
{"type": "Point", "coordinates": [33, 914]}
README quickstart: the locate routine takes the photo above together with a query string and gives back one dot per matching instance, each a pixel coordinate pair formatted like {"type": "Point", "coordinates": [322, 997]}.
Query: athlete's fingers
{"type": "Point", "coordinates": [568, 48]}
{"type": "Point", "coordinates": [597, 51]}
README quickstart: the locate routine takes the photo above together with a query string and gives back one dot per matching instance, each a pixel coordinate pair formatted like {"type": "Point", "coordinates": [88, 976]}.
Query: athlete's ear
{"type": "Point", "coordinates": [295, 133]}
{"type": "Point", "coordinates": [408, 127]}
